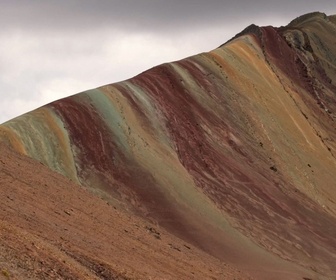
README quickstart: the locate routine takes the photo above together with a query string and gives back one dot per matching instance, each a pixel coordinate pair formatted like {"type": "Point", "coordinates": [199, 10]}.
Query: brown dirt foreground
{"type": "Point", "coordinates": [51, 228]}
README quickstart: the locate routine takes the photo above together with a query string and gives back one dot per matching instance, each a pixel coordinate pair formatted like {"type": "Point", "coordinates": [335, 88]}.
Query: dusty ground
{"type": "Point", "coordinates": [51, 228]}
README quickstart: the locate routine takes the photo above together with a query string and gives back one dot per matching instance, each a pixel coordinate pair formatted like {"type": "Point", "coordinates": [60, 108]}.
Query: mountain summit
{"type": "Point", "coordinates": [231, 151]}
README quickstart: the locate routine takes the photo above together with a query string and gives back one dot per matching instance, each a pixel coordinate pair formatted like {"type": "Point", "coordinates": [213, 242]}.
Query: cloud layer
{"type": "Point", "coordinates": [52, 49]}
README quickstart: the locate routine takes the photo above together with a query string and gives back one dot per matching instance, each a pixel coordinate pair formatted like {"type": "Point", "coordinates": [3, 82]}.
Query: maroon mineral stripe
{"type": "Point", "coordinates": [88, 133]}
{"type": "Point", "coordinates": [163, 86]}
{"type": "Point", "coordinates": [286, 59]}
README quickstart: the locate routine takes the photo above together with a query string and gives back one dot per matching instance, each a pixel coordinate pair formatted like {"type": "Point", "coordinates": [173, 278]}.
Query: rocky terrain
{"type": "Point", "coordinates": [218, 166]}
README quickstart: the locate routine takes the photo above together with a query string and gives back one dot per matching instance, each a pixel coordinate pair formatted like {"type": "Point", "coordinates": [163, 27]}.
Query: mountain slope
{"type": "Point", "coordinates": [231, 150]}
{"type": "Point", "coordinates": [51, 228]}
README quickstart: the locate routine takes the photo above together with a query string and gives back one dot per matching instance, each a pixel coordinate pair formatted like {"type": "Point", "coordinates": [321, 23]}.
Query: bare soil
{"type": "Point", "coordinates": [51, 228]}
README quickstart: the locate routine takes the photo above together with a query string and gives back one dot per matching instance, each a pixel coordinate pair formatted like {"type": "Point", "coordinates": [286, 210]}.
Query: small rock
{"type": "Point", "coordinates": [186, 246]}
{"type": "Point", "coordinates": [67, 212]}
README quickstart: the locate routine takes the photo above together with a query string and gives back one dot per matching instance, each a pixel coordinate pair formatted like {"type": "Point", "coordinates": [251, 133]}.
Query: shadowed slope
{"type": "Point", "coordinates": [232, 150]}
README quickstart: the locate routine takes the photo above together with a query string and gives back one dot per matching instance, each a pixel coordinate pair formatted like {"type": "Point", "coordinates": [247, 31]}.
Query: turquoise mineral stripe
{"type": "Point", "coordinates": [112, 117]}
{"type": "Point", "coordinates": [154, 115]}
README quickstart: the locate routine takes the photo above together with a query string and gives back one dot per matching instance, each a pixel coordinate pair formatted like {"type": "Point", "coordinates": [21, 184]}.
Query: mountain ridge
{"type": "Point", "coordinates": [228, 150]}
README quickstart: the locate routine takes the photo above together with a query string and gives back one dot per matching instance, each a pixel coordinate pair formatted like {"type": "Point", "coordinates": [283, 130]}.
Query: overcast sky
{"type": "Point", "coordinates": [54, 48]}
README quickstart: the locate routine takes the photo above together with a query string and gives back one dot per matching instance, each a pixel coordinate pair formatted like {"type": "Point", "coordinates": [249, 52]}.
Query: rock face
{"type": "Point", "coordinates": [231, 150]}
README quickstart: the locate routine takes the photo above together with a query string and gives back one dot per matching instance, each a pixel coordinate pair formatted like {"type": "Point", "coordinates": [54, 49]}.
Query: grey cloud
{"type": "Point", "coordinates": [55, 47]}
{"type": "Point", "coordinates": [150, 15]}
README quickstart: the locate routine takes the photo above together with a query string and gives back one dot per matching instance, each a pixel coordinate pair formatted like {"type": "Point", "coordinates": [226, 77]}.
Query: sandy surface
{"type": "Point", "coordinates": [51, 228]}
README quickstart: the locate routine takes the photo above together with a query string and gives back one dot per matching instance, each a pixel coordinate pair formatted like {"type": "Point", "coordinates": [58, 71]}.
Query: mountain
{"type": "Point", "coordinates": [231, 151]}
